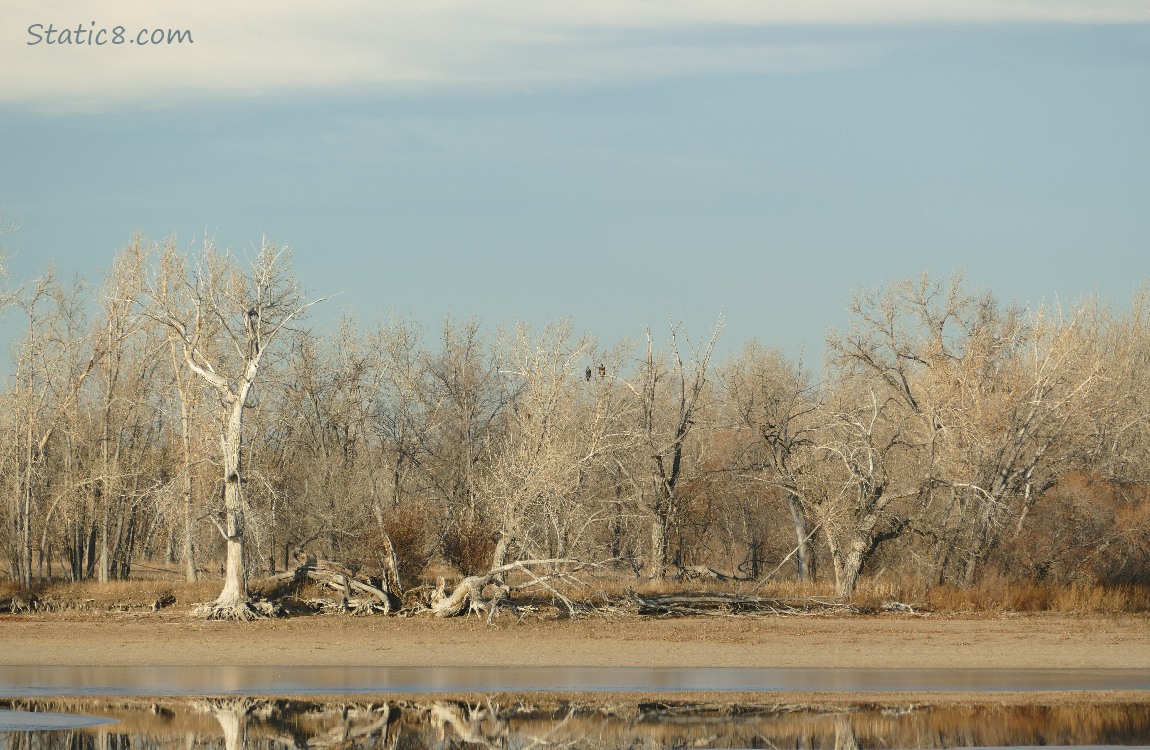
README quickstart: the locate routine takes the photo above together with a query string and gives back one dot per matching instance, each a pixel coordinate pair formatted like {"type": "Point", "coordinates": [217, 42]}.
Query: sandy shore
{"type": "Point", "coordinates": [887, 641]}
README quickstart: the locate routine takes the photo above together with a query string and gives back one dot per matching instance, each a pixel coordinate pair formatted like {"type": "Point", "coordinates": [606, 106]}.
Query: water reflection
{"type": "Point", "coordinates": [44, 681]}
{"type": "Point", "coordinates": [241, 723]}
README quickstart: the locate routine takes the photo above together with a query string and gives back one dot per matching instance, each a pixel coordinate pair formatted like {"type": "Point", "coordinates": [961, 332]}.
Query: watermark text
{"type": "Point", "coordinates": [92, 35]}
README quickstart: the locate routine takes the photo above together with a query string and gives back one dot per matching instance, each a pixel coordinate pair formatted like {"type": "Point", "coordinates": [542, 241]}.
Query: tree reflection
{"type": "Point", "coordinates": [483, 723]}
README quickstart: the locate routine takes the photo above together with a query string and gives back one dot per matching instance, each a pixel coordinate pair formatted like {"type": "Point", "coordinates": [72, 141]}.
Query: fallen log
{"type": "Point", "coordinates": [698, 572]}
{"type": "Point", "coordinates": [719, 603]}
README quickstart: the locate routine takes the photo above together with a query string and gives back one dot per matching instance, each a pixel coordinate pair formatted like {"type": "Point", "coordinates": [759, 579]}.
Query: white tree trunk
{"type": "Point", "coordinates": [235, 593]}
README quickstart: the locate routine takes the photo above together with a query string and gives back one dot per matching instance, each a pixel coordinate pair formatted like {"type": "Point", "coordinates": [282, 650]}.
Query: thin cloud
{"type": "Point", "coordinates": [270, 46]}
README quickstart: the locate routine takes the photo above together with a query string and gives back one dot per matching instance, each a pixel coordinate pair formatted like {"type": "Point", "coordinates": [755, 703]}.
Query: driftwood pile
{"type": "Point", "coordinates": [718, 603]}
{"type": "Point", "coordinates": [484, 595]}
{"type": "Point", "coordinates": [349, 590]}
{"type": "Point", "coordinates": [23, 601]}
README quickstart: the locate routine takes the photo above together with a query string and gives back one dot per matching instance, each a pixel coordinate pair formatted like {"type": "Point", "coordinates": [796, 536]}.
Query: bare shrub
{"type": "Point", "coordinates": [469, 547]}
{"type": "Point", "coordinates": [411, 538]}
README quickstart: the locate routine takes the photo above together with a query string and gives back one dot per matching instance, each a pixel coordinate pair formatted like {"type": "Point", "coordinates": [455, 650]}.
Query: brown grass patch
{"type": "Point", "coordinates": [997, 594]}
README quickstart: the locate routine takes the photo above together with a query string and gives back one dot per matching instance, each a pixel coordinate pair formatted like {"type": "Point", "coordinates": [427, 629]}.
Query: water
{"type": "Point", "coordinates": [32, 721]}
{"type": "Point", "coordinates": [239, 724]}
{"type": "Point", "coordinates": [40, 718]}
{"type": "Point", "coordinates": [37, 681]}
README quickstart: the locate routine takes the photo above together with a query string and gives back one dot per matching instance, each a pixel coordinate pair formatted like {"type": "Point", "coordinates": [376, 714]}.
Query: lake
{"type": "Point", "coordinates": [186, 708]}
{"type": "Point", "coordinates": [38, 681]}
{"type": "Point", "coordinates": [483, 722]}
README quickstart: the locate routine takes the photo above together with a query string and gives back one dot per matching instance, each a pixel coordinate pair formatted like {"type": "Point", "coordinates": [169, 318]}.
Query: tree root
{"type": "Point", "coordinates": [242, 612]}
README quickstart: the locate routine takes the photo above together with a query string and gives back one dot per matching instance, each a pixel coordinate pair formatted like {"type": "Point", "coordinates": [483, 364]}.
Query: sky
{"type": "Point", "coordinates": [622, 163]}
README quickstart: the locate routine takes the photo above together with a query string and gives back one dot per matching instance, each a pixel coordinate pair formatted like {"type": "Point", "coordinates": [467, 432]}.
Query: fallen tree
{"type": "Point", "coordinates": [351, 591]}
{"type": "Point", "coordinates": [486, 593]}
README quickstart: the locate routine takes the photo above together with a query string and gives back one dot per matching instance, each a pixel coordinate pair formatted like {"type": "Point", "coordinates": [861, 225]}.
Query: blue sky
{"type": "Point", "coordinates": [612, 161]}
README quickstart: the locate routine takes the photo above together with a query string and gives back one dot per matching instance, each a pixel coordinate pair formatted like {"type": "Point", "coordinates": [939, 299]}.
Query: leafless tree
{"type": "Point", "coordinates": [670, 393]}
{"type": "Point", "coordinates": [981, 394]}
{"type": "Point", "coordinates": [560, 430]}
{"type": "Point", "coordinates": [225, 317]}
{"type": "Point", "coordinates": [947, 435]}
{"type": "Point", "coordinates": [870, 468]}
{"type": "Point", "coordinates": [775, 400]}
{"type": "Point", "coordinates": [119, 324]}
{"type": "Point", "coordinates": [469, 400]}
{"type": "Point", "coordinates": [53, 362]}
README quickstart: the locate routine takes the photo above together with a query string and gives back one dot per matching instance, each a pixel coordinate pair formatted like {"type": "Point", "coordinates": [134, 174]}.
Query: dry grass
{"type": "Point", "coordinates": [130, 593]}
{"type": "Point", "coordinates": [147, 589]}
{"type": "Point", "coordinates": [1077, 598]}
{"type": "Point", "coordinates": [9, 589]}
{"type": "Point", "coordinates": [997, 594]}
{"type": "Point", "coordinates": [992, 595]}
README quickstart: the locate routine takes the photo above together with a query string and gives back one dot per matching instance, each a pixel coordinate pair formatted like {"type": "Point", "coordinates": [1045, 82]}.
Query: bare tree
{"type": "Point", "coordinates": [1006, 455]}
{"type": "Point", "coordinates": [225, 317]}
{"type": "Point", "coordinates": [560, 432]}
{"type": "Point", "coordinates": [329, 463]}
{"type": "Point", "coordinates": [775, 400]}
{"type": "Point", "coordinates": [1114, 345]}
{"type": "Point", "coordinates": [670, 392]}
{"type": "Point", "coordinates": [402, 417]}
{"type": "Point", "coordinates": [870, 466]}
{"type": "Point", "coordinates": [466, 400]}
{"type": "Point", "coordinates": [547, 451]}
{"type": "Point", "coordinates": [979, 394]}
{"type": "Point", "coordinates": [52, 365]}
{"type": "Point", "coordinates": [949, 434]}
{"type": "Point", "coordinates": [118, 324]}
{"type": "Point", "coordinates": [187, 403]}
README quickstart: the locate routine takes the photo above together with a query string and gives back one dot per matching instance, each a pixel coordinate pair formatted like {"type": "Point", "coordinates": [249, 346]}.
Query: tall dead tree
{"type": "Point", "coordinates": [116, 328]}
{"type": "Point", "coordinates": [224, 317]}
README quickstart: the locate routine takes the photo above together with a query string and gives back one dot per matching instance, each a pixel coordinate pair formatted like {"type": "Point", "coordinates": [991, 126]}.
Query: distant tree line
{"type": "Point", "coordinates": [180, 410]}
